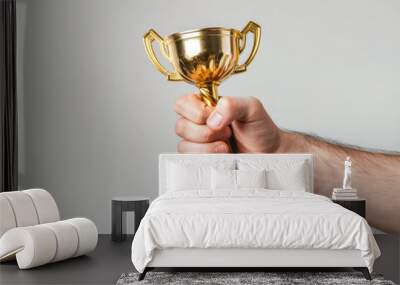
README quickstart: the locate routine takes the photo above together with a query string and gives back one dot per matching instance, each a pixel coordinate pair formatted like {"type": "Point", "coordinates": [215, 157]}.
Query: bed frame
{"type": "Point", "coordinates": [246, 259]}
{"type": "Point", "coordinates": [234, 259]}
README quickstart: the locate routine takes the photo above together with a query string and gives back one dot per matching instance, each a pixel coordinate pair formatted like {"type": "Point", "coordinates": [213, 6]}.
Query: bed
{"type": "Point", "coordinates": [247, 211]}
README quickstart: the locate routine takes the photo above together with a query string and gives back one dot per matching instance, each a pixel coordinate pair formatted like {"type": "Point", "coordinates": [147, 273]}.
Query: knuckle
{"type": "Point", "coordinates": [255, 102]}
{"type": "Point", "coordinates": [180, 127]}
{"type": "Point", "coordinates": [178, 103]}
{"type": "Point", "coordinates": [182, 101]}
{"type": "Point", "coordinates": [229, 103]}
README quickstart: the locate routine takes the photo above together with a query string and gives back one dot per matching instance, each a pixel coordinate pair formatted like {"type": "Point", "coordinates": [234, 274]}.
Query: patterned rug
{"type": "Point", "coordinates": [269, 278]}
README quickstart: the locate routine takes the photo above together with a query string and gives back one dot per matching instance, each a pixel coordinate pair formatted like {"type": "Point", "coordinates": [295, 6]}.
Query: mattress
{"type": "Point", "coordinates": [251, 219]}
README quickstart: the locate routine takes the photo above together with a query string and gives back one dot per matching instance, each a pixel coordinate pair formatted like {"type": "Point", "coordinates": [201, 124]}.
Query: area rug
{"type": "Point", "coordinates": [269, 278]}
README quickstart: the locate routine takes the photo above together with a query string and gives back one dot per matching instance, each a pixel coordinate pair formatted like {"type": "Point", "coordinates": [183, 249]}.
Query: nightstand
{"type": "Point", "coordinates": [136, 204]}
{"type": "Point", "coordinates": [357, 206]}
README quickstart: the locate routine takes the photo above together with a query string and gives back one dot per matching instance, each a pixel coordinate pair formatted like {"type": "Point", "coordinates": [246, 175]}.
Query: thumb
{"type": "Point", "coordinates": [229, 109]}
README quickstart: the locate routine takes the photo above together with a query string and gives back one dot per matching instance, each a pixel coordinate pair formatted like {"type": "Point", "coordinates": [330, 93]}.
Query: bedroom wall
{"type": "Point", "coordinates": [94, 113]}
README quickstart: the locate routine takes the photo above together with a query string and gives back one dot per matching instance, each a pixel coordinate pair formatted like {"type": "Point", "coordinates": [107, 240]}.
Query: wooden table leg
{"type": "Point", "coordinates": [116, 221]}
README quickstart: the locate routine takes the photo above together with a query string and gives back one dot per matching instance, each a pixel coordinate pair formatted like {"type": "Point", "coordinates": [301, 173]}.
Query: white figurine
{"type": "Point", "coordinates": [347, 174]}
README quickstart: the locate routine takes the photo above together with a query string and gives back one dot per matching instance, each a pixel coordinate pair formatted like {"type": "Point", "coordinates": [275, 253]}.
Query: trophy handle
{"type": "Point", "coordinates": [256, 30]}
{"type": "Point", "coordinates": [148, 38]}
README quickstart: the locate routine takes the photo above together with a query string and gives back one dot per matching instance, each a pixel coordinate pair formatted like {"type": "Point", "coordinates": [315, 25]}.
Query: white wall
{"type": "Point", "coordinates": [96, 113]}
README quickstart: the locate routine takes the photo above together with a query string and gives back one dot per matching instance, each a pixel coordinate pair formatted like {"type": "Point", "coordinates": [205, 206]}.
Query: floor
{"type": "Point", "coordinates": [111, 259]}
{"type": "Point", "coordinates": [103, 266]}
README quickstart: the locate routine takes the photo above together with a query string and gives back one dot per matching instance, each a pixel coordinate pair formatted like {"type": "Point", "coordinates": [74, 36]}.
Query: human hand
{"type": "Point", "coordinates": [206, 130]}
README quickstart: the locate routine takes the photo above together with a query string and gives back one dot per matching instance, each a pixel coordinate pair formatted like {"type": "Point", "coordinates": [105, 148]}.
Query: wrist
{"type": "Point", "coordinates": [290, 142]}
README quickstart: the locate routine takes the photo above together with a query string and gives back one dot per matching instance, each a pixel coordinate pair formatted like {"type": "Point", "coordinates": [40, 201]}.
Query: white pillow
{"type": "Point", "coordinates": [237, 179]}
{"type": "Point", "coordinates": [251, 178]}
{"type": "Point", "coordinates": [190, 174]}
{"type": "Point", "coordinates": [281, 174]}
{"type": "Point", "coordinates": [223, 179]}
{"type": "Point", "coordinates": [184, 177]}
{"type": "Point", "coordinates": [287, 178]}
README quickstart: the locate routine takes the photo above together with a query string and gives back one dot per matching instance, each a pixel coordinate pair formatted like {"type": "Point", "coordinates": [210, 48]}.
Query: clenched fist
{"type": "Point", "coordinates": [207, 130]}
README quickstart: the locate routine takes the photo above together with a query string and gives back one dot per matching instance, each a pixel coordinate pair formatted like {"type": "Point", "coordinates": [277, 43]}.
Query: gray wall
{"type": "Point", "coordinates": [94, 113]}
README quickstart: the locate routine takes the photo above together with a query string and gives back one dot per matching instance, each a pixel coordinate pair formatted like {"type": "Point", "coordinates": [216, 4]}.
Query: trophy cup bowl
{"type": "Point", "coordinates": [203, 57]}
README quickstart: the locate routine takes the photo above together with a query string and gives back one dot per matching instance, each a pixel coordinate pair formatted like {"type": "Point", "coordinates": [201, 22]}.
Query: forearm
{"type": "Point", "coordinates": [375, 175]}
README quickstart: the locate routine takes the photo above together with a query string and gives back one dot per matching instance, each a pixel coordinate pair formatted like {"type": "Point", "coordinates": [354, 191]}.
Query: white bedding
{"type": "Point", "coordinates": [250, 218]}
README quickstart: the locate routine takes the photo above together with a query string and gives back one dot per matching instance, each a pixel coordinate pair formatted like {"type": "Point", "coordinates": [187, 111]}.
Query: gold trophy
{"type": "Point", "coordinates": [203, 57]}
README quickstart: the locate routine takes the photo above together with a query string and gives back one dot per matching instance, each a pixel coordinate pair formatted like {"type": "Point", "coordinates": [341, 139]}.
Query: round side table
{"type": "Point", "coordinates": [121, 204]}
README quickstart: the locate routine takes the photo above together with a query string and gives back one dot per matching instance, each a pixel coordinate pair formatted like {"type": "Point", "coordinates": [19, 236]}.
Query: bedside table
{"type": "Point", "coordinates": [357, 206]}
{"type": "Point", "coordinates": [139, 205]}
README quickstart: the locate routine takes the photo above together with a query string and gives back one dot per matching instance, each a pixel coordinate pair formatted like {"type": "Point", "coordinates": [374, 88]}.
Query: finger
{"type": "Point", "coordinates": [200, 133]}
{"type": "Point", "coordinates": [192, 108]}
{"type": "Point", "coordinates": [229, 109]}
{"type": "Point", "coordinates": [214, 147]}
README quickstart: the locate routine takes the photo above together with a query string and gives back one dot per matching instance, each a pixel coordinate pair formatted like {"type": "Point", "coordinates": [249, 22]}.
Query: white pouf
{"type": "Point", "coordinates": [31, 232]}
{"type": "Point", "coordinates": [45, 205]}
{"type": "Point", "coordinates": [7, 216]}
{"type": "Point", "coordinates": [23, 208]}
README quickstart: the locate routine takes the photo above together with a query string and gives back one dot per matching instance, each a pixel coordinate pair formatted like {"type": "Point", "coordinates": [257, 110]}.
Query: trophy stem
{"type": "Point", "coordinates": [209, 94]}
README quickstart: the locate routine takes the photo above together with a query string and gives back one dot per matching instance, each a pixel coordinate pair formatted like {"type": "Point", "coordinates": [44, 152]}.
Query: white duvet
{"type": "Point", "coordinates": [250, 218]}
